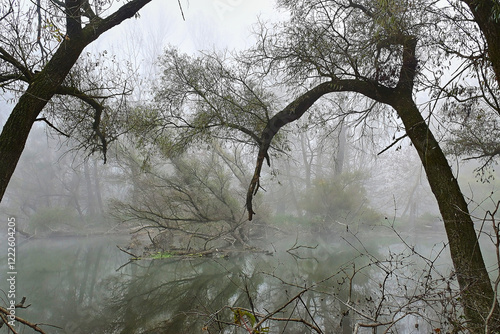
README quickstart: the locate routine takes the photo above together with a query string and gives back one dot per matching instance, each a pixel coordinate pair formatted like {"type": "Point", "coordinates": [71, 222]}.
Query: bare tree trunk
{"type": "Point", "coordinates": [342, 143]}
{"type": "Point", "coordinates": [477, 293]}
{"type": "Point", "coordinates": [306, 161]}
{"type": "Point", "coordinates": [89, 189]}
{"type": "Point", "coordinates": [291, 184]}
{"type": "Point", "coordinates": [97, 189]}
{"type": "Point", "coordinates": [73, 189]}
{"type": "Point", "coordinates": [411, 205]}
{"type": "Point", "coordinates": [486, 14]}
{"type": "Point", "coordinates": [475, 285]}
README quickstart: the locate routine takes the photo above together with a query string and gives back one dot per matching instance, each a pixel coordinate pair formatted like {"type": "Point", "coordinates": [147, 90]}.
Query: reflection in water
{"type": "Point", "coordinates": [74, 284]}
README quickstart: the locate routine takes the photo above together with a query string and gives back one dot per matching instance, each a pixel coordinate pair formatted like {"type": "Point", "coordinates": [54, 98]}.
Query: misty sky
{"type": "Point", "coordinates": [208, 24]}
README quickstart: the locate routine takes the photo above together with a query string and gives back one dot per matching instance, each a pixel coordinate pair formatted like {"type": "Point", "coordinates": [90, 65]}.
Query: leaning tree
{"type": "Point", "coordinates": [379, 50]}
{"type": "Point", "coordinates": [40, 44]}
{"type": "Point", "coordinates": [383, 51]}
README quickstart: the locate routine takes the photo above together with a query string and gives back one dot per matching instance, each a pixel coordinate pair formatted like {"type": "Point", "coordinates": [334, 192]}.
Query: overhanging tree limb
{"type": "Point", "coordinates": [98, 107]}
{"type": "Point", "coordinates": [393, 143]}
{"type": "Point", "coordinates": [487, 16]}
{"type": "Point", "coordinates": [6, 56]}
{"type": "Point", "coordinates": [294, 111]}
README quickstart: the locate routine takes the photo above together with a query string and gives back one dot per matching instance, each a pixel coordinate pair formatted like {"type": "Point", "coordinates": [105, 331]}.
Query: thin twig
{"type": "Point", "coordinates": [182, 12]}
{"type": "Point", "coordinates": [127, 252]}
{"type": "Point", "coordinates": [23, 321]}
{"type": "Point", "coordinates": [51, 125]}
{"type": "Point", "coordinates": [394, 143]}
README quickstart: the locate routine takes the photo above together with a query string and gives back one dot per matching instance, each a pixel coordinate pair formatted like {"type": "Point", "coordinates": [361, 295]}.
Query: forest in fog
{"type": "Point", "coordinates": [225, 130]}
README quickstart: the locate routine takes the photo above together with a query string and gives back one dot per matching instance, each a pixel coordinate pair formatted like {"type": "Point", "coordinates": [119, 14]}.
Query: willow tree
{"type": "Point", "coordinates": [41, 42]}
{"type": "Point", "coordinates": [379, 50]}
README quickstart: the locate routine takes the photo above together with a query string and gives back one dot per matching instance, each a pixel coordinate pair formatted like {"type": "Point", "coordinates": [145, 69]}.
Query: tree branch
{"type": "Point", "coordinates": [182, 12]}
{"type": "Point", "coordinates": [9, 11]}
{"type": "Point", "coordinates": [88, 12]}
{"type": "Point", "coordinates": [98, 107]}
{"type": "Point", "coordinates": [73, 18]}
{"type": "Point", "coordinates": [33, 326]}
{"type": "Point", "coordinates": [5, 55]}
{"type": "Point", "coordinates": [52, 126]}
{"type": "Point", "coordinates": [296, 109]}
{"type": "Point", "coordinates": [393, 143]}
{"type": "Point", "coordinates": [95, 28]}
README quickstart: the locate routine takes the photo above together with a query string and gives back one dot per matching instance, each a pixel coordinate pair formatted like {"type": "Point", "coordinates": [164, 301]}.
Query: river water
{"type": "Point", "coordinates": [79, 285]}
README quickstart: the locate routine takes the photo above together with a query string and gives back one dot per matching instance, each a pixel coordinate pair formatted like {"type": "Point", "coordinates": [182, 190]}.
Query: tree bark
{"type": "Point", "coordinates": [472, 275]}
{"type": "Point", "coordinates": [487, 16]}
{"type": "Point", "coordinates": [307, 161]}
{"type": "Point", "coordinates": [476, 290]}
{"type": "Point", "coordinates": [44, 85]}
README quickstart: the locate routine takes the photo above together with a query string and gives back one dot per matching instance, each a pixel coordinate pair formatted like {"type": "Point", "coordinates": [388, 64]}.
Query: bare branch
{"type": "Point", "coordinates": [98, 107]}
{"type": "Point", "coordinates": [180, 7]}
{"type": "Point", "coordinates": [43, 119]}
{"type": "Point", "coordinates": [393, 143]}
{"type": "Point", "coordinates": [33, 326]}
{"type": "Point", "coordinates": [27, 74]}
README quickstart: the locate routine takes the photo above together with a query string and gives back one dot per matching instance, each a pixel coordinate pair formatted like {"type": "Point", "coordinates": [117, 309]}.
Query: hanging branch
{"type": "Point", "coordinates": [295, 110]}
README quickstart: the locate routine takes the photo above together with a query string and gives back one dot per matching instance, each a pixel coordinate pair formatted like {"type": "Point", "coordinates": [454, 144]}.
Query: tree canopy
{"type": "Point", "coordinates": [40, 46]}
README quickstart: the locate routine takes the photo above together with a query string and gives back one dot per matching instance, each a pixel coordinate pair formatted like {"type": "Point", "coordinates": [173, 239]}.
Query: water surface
{"type": "Point", "coordinates": [78, 285]}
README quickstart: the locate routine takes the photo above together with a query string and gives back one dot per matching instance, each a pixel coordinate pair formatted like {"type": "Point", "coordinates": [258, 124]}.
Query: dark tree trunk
{"type": "Point", "coordinates": [477, 293]}
{"type": "Point", "coordinates": [45, 84]}
{"type": "Point", "coordinates": [472, 275]}
{"type": "Point", "coordinates": [487, 16]}
{"type": "Point", "coordinates": [307, 161]}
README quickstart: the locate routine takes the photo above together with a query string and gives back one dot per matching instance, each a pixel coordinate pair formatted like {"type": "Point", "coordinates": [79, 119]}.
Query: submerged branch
{"type": "Point", "coordinates": [33, 326]}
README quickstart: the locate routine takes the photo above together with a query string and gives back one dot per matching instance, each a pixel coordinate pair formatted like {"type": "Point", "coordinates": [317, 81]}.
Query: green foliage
{"type": "Point", "coordinates": [195, 195]}
{"type": "Point", "coordinates": [247, 320]}
{"type": "Point", "coordinates": [476, 134]}
{"type": "Point", "coordinates": [214, 95]}
{"type": "Point", "coordinates": [162, 255]}
{"type": "Point", "coordinates": [338, 198]}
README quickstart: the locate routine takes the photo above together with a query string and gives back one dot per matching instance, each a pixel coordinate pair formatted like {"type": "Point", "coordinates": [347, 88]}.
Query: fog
{"type": "Point", "coordinates": [316, 230]}
{"type": "Point", "coordinates": [147, 230]}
